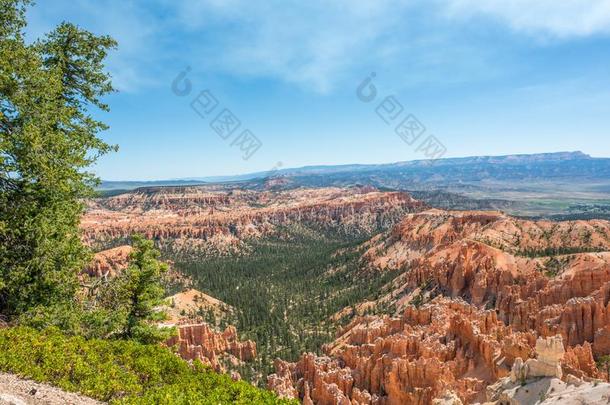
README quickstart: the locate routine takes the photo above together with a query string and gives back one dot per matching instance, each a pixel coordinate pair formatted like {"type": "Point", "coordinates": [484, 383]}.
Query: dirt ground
{"type": "Point", "coordinates": [18, 391]}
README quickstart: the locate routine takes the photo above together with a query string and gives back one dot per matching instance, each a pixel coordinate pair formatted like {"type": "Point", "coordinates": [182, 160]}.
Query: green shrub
{"type": "Point", "coordinates": [119, 371]}
{"type": "Point", "coordinates": [74, 319]}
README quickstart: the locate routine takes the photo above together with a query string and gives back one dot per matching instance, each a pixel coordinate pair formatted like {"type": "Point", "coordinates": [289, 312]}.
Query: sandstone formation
{"type": "Point", "coordinates": [445, 345]}
{"type": "Point", "coordinates": [109, 262]}
{"type": "Point", "coordinates": [550, 352]}
{"type": "Point", "coordinates": [481, 302]}
{"type": "Point", "coordinates": [201, 342]}
{"type": "Point", "coordinates": [533, 284]}
{"type": "Point", "coordinates": [489, 289]}
{"type": "Point", "coordinates": [444, 349]}
{"type": "Point", "coordinates": [420, 233]}
{"type": "Point", "coordinates": [211, 217]}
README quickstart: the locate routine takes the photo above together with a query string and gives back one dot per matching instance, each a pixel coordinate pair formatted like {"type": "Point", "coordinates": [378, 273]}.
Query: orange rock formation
{"type": "Point", "coordinates": [223, 217]}
{"type": "Point", "coordinates": [489, 287]}
{"type": "Point", "coordinates": [201, 342]}
{"type": "Point", "coordinates": [109, 262]}
{"type": "Point", "coordinates": [474, 290]}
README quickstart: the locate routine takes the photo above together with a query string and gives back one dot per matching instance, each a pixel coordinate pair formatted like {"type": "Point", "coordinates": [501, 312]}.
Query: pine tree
{"type": "Point", "coordinates": [141, 293]}
{"type": "Point", "coordinates": [47, 140]}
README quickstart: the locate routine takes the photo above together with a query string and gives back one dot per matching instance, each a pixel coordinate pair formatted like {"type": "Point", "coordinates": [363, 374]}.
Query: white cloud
{"type": "Point", "coordinates": [308, 43]}
{"type": "Point", "coordinates": [316, 44]}
{"type": "Point", "coordinates": [558, 18]}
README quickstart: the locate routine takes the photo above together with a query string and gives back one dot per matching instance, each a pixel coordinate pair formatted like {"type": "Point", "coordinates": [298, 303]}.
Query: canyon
{"type": "Point", "coordinates": [220, 219]}
{"type": "Point", "coordinates": [478, 290]}
{"type": "Point", "coordinates": [465, 300]}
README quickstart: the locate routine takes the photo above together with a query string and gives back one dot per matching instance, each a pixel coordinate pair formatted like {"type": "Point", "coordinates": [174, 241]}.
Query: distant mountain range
{"type": "Point", "coordinates": [424, 174]}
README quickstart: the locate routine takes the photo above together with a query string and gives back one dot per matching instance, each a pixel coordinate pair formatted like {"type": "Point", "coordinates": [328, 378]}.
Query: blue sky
{"type": "Point", "coordinates": [485, 77]}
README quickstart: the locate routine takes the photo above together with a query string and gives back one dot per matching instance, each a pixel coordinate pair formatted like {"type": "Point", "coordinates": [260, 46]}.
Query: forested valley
{"type": "Point", "coordinates": [286, 290]}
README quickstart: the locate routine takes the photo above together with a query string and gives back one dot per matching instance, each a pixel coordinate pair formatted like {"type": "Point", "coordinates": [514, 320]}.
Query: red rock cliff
{"type": "Point", "coordinates": [499, 283]}
{"type": "Point", "coordinates": [201, 342]}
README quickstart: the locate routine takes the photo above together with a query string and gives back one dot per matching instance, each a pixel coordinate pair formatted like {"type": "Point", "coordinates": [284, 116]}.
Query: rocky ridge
{"type": "Point", "coordinates": [189, 306]}
{"type": "Point", "coordinates": [108, 263]}
{"type": "Point", "coordinates": [202, 342]}
{"type": "Point", "coordinates": [208, 216]}
{"type": "Point", "coordinates": [476, 291]}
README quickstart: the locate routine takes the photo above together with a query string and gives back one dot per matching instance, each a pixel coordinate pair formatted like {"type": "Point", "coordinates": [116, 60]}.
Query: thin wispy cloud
{"type": "Point", "coordinates": [317, 45]}
{"type": "Point", "coordinates": [558, 18]}
{"type": "Point", "coordinates": [308, 43]}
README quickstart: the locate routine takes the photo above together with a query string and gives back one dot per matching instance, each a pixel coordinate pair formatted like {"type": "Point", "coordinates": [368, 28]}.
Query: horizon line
{"type": "Point", "coordinates": [256, 174]}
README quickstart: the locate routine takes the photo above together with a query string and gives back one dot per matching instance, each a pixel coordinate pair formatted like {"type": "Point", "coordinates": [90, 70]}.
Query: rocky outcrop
{"type": "Point", "coordinates": [201, 342]}
{"type": "Point", "coordinates": [482, 257]}
{"type": "Point", "coordinates": [446, 350]}
{"type": "Point", "coordinates": [109, 262]}
{"type": "Point", "coordinates": [547, 391]}
{"type": "Point", "coordinates": [474, 271]}
{"type": "Point", "coordinates": [550, 352]}
{"type": "Point", "coordinates": [422, 232]}
{"type": "Point", "coordinates": [223, 218]}
{"type": "Point", "coordinates": [283, 381]}
{"type": "Point", "coordinates": [445, 345]}
{"type": "Point", "coordinates": [601, 341]}
{"type": "Point", "coordinates": [497, 297]}
{"type": "Point", "coordinates": [578, 361]}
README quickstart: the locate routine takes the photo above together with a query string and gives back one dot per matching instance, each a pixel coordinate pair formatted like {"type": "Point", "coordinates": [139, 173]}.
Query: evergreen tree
{"type": "Point", "coordinates": [47, 140]}
{"type": "Point", "coordinates": [141, 293]}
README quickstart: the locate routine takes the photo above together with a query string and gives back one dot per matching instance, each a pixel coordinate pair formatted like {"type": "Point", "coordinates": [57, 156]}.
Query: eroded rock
{"type": "Point", "coordinates": [202, 342]}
